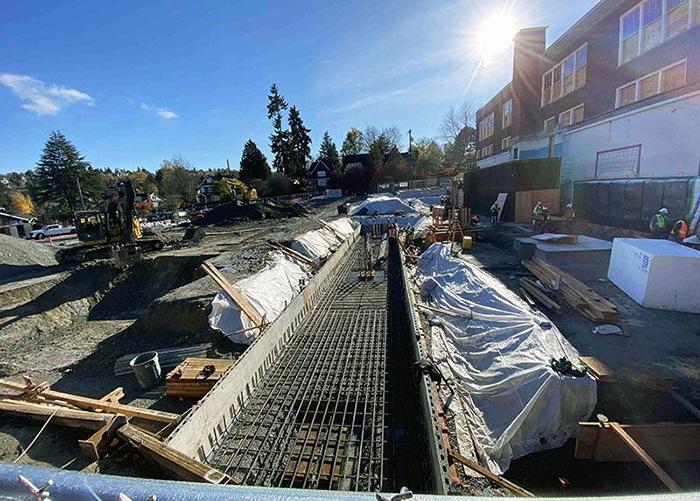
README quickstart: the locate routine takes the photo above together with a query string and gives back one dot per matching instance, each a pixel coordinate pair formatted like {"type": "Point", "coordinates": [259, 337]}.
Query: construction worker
{"type": "Point", "coordinates": [680, 231]}
{"type": "Point", "coordinates": [569, 216]}
{"type": "Point", "coordinates": [659, 223]}
{"type": "Point", "coordinates": [537, 217]}
{"type": "Point", "coordinates": [495, 209]}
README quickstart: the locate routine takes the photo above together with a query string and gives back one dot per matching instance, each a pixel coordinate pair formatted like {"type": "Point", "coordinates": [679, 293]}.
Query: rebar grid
{"type": "Point", "coordinates": [317, 418]}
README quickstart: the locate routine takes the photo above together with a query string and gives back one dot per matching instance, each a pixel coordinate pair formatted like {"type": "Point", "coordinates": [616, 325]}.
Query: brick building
{"type": "Point", "coordinates": [624, 59]}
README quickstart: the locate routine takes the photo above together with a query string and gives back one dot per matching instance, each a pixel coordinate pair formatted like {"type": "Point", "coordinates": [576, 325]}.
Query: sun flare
{"type": "Point", "coordinates": [495, 36]}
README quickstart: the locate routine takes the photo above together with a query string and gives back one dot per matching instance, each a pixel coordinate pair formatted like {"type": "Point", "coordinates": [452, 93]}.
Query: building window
{"type": "Point", "coordinates": [549, 125]}
{"type": "Point", "coordinates": [487, 151]}
{"type": "Point", "coordinates": [321, 173]}
{"type": "Point", "coordinates": [505, 143]}
{"type": "Point", "coordinates": [565, 77]}
{"type": "Point", "coordinates": [663, 80]}
{"type": "Point", "coordinates": [322, 182]}
{"type": "Point", "coordinates": [571, 117]}
{"type": "Point", "coordinates": [507, 120]}
{"type": "Point", "coordinates": [651, 22]}
{"type": "Point", "coordinates": [486, 127]}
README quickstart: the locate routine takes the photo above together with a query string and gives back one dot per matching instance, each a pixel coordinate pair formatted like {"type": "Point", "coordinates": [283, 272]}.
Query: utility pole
{"type": "Point", "coordinates": [410, 155]}
{"type": "Point", "coordinates": [228, 167]}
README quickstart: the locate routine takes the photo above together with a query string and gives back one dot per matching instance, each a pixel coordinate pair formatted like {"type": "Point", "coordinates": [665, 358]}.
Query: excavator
{"type": "Point", "coordinates": [112, 232]}
{"type": "Point", "coordinates": [240, 192]}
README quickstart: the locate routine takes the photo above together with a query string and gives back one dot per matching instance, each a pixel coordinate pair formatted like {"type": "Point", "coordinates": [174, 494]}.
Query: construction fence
{"type": "Point", "coordinates": [630, 203]}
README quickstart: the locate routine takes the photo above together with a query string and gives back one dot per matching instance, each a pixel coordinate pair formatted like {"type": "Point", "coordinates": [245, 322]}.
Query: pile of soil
{"type": "Point", "coordinates": [231, 212]}
{"type": "Point", "coordinates": [20, 252]}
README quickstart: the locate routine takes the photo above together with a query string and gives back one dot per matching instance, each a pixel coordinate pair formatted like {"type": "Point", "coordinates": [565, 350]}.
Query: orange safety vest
{"type": "Point", "coordinates": [680, 229]}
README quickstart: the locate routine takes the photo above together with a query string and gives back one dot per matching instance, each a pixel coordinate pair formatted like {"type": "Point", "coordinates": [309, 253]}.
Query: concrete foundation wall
{"type": "Point", "coordinates": [201, 429]}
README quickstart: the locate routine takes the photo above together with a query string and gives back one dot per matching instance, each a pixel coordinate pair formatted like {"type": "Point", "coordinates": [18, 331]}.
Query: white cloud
{"type": "Point", "coordinates": [166, 114]}
{"type": "Point", "coordinates": [41, 98]}
{"type": "Point", "coordinates": [163, 113]}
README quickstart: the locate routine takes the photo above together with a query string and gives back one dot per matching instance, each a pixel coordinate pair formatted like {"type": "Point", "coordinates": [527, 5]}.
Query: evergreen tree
{"type": "Point", "coordinates": [63, 176]}
{"type": "Point", "coordinates": [329, 153]}
{"type": "Point", "coordinates": [253, 163]}
{"type": "Point", "coordinates": [299, 144]}
{"type": "Point", "coordinates": [279, 138]}
{"type": "Point", "coordinates": [352, 145]}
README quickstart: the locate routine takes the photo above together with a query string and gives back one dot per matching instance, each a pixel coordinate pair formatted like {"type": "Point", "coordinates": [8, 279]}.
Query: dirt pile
{"type": "Point", "coordinates": [20, 252]}
{"type": "Point", "coordinates": [231, 212]}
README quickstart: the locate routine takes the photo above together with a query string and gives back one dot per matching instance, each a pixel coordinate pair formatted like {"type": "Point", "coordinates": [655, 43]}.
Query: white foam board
{"type": "Point", "coordinates": [657, 273]}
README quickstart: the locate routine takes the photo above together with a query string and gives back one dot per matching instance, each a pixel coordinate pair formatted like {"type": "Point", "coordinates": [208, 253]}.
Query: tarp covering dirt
{"type": "Point", "coordinates": [268, 291]}
{"type": "Point", "coordinates": [320, 244]}
{"type": "Point", "coordinates": [381, 204]}
{"type": "Point", "coordinates": [496, 352]}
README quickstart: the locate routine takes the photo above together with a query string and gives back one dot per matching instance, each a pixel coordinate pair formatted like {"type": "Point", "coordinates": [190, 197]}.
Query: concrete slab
{"type": "Point", "coordinates": [587, 249]}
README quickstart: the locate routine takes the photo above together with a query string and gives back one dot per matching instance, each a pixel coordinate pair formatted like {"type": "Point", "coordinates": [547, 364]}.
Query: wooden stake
{"type": "Point", "coordinates": [232, 293]}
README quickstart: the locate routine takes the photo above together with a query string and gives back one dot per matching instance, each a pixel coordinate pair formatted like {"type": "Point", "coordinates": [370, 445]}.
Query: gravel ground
{"type": "Point", "coordinates": [20, 252]}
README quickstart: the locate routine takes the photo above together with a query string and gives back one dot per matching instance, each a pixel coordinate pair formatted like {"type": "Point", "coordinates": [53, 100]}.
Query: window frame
{"type": "Point", "coordinates": [487, 123]}
{"type": "Point", "coordinates": [509, 114]}
{"type": "Point", "coordinates": [574, 54]}
{"type": "Point", "coordinates": [691, 5]}
{"type": "Point", "coordinates": [487, 151]}
{"type": "Point", "coordinates": [636, 82]}
{"type": "Point", "coordinates": [570, 112]}
{"type": "Point", "coordinates": [553, 119]}
{"type": "Point", "coordinates": [508, 143]}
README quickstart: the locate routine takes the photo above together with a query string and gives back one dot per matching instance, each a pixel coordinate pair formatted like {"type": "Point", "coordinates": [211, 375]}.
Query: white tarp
{"type": "Point", "coordinates": [381, 204]}
{"type": "Point", "coordinates": [269, 292]}
{"type": "Point", "coordinates": [319, 244]}
{"type": "Point", "coordinates": [496, 354]}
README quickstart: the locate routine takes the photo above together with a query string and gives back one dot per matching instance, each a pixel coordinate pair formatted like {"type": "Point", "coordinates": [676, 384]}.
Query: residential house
{"type": "Point", "coordinates": [16, 226]}
{"type": "Point", "coordinates": [153, 198]}
{"type": "Point", "coordinates": [205, 189]}
{"type": "Point", "coordinates": [615, 97]}
{"type": "Point", "coordinates": [318, 173]}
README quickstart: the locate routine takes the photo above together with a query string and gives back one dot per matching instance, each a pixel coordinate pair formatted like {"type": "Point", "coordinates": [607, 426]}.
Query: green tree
{"type": "Point", "coordinates": [253, 163]}
{"type": "Point", "coordinates": [352, 144]}
{"type": "Point", "coordinates": [329, 153]}
{"type": "Point", "coordinates": [279, 139]}
{"type": "Point", "coordinates": [277, 184]}
{"type": "Point", "coordinates": [63, 177]}
{"type": "Point", "coordinates": [427, 158]}
{"type": "Point", "coordinates": [177, 182]}
{"type": "Point", "coordinates": [299, 144]}
{"type": "Point", "coordinates": [4, 196]}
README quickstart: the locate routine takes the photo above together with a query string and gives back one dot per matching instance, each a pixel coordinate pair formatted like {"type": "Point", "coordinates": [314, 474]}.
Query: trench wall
{"type": "Point", "coordinates": [201, 429]}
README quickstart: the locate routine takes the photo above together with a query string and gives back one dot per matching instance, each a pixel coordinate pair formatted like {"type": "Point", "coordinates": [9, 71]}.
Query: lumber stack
{"type": "Point", "coordinates": [194, 377]}
{"type": "Point", "coordinates": [576, 294]}
{"type": "Point", "coordinates": [167, 357]}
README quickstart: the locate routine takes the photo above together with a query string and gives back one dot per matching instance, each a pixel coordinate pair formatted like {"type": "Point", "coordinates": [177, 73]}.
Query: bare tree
{"type": "Point", "coordinates": [390, 136]}
{"type": "Point", "coordinates": [458, 131]}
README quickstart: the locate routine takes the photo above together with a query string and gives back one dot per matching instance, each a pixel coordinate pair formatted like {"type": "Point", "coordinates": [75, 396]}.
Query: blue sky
{"type": "Point", "coordinates": [134, 82]}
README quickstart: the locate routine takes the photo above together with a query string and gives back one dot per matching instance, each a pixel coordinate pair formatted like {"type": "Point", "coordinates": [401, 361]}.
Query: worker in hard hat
{"type": "Point", "coordinates": [659, 224]}
{"type": "Point", "coordinates": [537, 217]}
{"type": "Point", "coordinates": [680, 231]}
{"type": "Point", "coordinates": [495, 209]}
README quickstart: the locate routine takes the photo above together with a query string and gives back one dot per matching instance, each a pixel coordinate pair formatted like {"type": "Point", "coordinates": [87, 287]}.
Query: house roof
{"type": "Point", "coordinates": [315, 165]}
{"type": "Point", "coordinates": [16, 218]}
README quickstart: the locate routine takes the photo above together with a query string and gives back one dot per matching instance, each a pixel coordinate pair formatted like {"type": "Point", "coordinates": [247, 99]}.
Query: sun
{"type": "Point", "coordinates": [495, 36]}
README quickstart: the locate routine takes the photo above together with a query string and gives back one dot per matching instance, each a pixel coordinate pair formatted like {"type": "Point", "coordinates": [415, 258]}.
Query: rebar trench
{"type": "Point", "coordinates": [317, 418]}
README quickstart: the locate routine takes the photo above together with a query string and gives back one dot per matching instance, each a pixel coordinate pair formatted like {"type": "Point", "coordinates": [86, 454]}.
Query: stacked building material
{"type": "Point", "coordinates": [194, 377]}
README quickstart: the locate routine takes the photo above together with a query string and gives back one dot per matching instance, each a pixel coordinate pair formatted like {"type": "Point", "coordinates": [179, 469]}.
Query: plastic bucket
{"type": "Point", "coordinates": [146, 369]}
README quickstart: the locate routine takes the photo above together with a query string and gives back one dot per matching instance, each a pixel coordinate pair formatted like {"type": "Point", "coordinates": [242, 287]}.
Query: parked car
{"type": "Point", "coordinates": [52, 230]}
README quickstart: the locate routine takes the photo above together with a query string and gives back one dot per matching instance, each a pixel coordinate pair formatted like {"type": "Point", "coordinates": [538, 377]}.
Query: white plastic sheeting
{"type": "Point", "coordinates": [269, 291]}
{"type": "Point", "coordinates": [496, 353]}
{"type": "Point", "coordinates": [319, 244]}
{"type": "Point", "coordinates": [381, 204]}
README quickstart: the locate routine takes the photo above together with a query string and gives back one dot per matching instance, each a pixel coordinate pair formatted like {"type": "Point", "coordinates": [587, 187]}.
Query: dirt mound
{"type": "Point", "coordinates": [231, 212]}
{"type": "Point", "coordinates": [20, 252]}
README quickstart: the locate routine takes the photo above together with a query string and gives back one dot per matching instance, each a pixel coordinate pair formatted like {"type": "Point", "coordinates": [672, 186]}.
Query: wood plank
{"type": "Point", "coordinates": [94, 404]}
{"type": "Point", "coordinates": [180, 465]}
{"type": "Point", "coordinates": [539, 294]}
{"type": "Point", "coordinates": [644, 457]}
{"type": "Point", "coordinates": [294, 254]}
{"type": "Point", "coordinates": [167, 357]}
{"type": "Point", "coordinates": [687, 405]}
{"type": "Point", "coordinates": [96, 445]}
{"type": "Point", "coordinates": [497, 479]}
{"type": "Point", "coordinates": [598, 369]}
{"type": "Point", "coordinates": [663, 442]}
{"type": "Point", "coordinates": [70, 418]}
{"type": "Point", "coordinates": [232, 293]}
{"type": "Point", "coordinates": [114, 396]}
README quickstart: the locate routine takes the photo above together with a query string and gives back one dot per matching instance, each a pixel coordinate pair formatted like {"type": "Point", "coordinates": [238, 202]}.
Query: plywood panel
{"type": "Point", "coordinates": [525, 200]}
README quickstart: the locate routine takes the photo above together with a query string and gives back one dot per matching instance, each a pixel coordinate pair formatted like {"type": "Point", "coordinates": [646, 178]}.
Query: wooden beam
{"type": "Point", "coordinates": [663, 442]}
{"type": "Point", "coordinates": [114, 396]}
{"type": "Point", "coordinates": [96, 445]}
{"type": "Point", "coordinates": [70, 418]}
{"type": "Point", "coordinates": [687, 405]}
{"type": "Point", "coordinates": [497, 479]}
{"type": "Point", "coordinates": [329, 227]}
{"type": "Point", "coordinates": [598, 369]}
{"type": "Point", "coordinates": [94, 404]}
{"type": "Point", "coordinates": [180, 465]}
{"type": "Point", "coordinates": [232, 293]}
{"type": "Point", "coordinates": [644, 457]}
{"type": "Point", "coordinates": [293, 254]}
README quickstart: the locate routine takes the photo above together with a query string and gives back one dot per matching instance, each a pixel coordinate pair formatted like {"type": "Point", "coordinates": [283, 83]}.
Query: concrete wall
{"type": "Point", "coordinates": [200, 430]}
{"type": "Point", "coordinates": [494, 159]}
{"type": "Point", "coordinates": [667, 132]}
